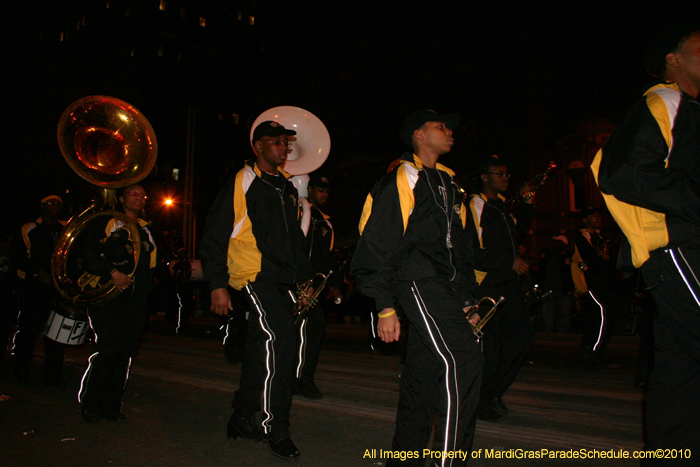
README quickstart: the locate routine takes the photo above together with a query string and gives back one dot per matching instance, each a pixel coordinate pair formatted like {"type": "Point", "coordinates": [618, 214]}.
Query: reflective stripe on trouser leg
{"type": "Point", "coordinates": [86, 378]}
{"type": "Point", "coordinates": [601, 330]}
{"type": "Point", "coordinates": [301, 356]}
{"type": "Point", "coordinates": [451, 385]}
{"type": "Point", "coordinates": [269, 358]}
{"type": "Point", "coordinates": [690, 278]}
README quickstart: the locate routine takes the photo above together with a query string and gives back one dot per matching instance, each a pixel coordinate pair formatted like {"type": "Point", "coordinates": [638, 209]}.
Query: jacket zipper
{"type": "Point", "coordinates": [280, 192]}
{"type": "Point", "coordinates": [448, 217]}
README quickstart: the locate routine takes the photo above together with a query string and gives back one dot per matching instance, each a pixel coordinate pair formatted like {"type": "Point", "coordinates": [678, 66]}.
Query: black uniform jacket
{"type": "Point", "coordinates": [105, 250]}
{"type": "Point", "coordinates": [649, 173]}
{"type": "Point", "coordinates": [253, 232]}
{"type": "Point", "coordinates": [320, 243]}
{"type": "Point", "coordinates": [404, 234]}
{"type": "Point", "coordinates": [495, 237]}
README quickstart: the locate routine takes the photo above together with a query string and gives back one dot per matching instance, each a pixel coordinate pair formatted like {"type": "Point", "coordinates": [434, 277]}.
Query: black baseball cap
{"type": "Point", "coordinates": [318, 181]}
{"type": "Point", "coordinates": [590, 210]}
{"type": "Point", "coordinates": [419, 117]}
{"type": "Point", "coordinates": [272, 129]}
{"type": "Point", "coordinates": [52, 197]}
{"type": "Point", "coordinates": [665, 41]}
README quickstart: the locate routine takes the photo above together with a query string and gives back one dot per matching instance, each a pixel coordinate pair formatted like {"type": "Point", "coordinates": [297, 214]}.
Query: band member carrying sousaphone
{"type": "Point", "coordinates": [104, 257]}
{"type": "Point", "coordinates": [119, 323]}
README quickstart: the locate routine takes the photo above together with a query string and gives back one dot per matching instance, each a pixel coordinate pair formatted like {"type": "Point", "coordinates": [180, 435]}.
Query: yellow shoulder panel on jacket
{"type": "Point", "coordinates": [645, 230]}
{"type": "Point", "coordinates": [476, 206]}
{"type": "Point", "coordinates": [406, 178]}
{"type": "Point", "coordinates": [244, 259]}
{"type": "Point", "coordinates": [366, 212]}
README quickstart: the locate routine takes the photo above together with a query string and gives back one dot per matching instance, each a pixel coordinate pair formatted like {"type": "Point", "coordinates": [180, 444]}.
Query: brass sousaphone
{"type": "Point", "coordinates": [110, 144]}
{"type": "Point", "coordinates": [307, 153]}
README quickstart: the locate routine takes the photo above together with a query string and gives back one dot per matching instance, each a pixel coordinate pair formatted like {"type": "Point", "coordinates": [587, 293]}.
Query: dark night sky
{"type": "Point", "coordinates": [520, 74]}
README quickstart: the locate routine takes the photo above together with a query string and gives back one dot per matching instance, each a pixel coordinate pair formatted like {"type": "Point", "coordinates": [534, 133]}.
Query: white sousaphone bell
{"type": "Point", "coordinates": [307, 153]}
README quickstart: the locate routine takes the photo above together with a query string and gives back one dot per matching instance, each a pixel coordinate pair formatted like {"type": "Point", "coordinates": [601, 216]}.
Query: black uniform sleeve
{"type": "Point", "coordinates": [321, 255]}
{"type": "Point", "coordinates": [588, 253]}
{"type": "Point", "coordinates": [375, 262]}
{"type": "Point", "coordinates": [524, 215]}
{"type": "Point", "coordinates": [19, 255]}
{"type": "Point", "coordinates": [492, 257]}
{"type": "Point", "coordinates": [213, 249]}
{"type": "Point", "coordinates": [467, 277]}
{"type": "Point", "coordinates": [95, 260]}
{"type": "Point", "coordinates": [633, 169]}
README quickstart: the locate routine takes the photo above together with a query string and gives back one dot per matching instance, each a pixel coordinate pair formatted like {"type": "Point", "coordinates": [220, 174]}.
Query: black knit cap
{"type": "Point", "coordinates": [666, 40]}
{"type": "Point", "coordinates": [319, 181]}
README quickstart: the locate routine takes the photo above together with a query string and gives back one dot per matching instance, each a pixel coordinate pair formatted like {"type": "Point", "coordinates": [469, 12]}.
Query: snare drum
{"type": "Point", "coordinates": [67, 327]}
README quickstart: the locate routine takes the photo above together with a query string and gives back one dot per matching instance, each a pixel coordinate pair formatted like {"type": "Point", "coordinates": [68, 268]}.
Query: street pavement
{"type": "Point", "coordinates": [178, 398]}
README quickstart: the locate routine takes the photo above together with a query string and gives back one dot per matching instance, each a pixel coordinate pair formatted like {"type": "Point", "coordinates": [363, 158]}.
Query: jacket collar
{"type": "Point", "coordinates": [418, 164]}
{"type": "Point", "coordinates": [258, 172]}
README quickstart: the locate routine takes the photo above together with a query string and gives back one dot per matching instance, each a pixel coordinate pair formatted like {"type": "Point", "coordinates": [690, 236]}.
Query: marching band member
{"type": "Point", "coordinates": [320, 245]}
{"type": "Point", "coordinates": [595, 279]}
{"type": "Point", "coordinates": [30, 252]}
{"type": "Point", "coordinates": [413, 247]}
{"type": "Point", "coordinates": [649, 174]}
{"type": "Point", "coordinates": [253, 241]}
{"type": "Point", "coordinates": [509, 335]}
{"type": "Point", "coordinates": [119, 323]}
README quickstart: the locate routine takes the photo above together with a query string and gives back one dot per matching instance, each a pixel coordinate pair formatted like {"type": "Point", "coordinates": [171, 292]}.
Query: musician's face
{"type": "Point", "coordinates": [317, 195]}
{"type": "Point", "coordinates": [593, 221]}
{"type": "Point", "coordinates": [272, 151]}
{"type": "Point", "coordinates": [436, 136]}
{"type": "Point", "coordinates": [51, 208]}
{"type": "Point", "coordinates": [134, 199]}
{"type": "Point", "coordinates": [687, 62]}
{"type": "Point", "coordinates": [497, 179]}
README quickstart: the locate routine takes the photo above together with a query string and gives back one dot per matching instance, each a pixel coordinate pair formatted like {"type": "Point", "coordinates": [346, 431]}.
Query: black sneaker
{"type": "Point", "coordinates": [22, 375]}
{"type": "Point", "coordinates": [240, 426]}
{"type": "Point", "coordinates": [499, 406]}
{"type": "Point", "coordinates": [91, 416]}
{"type": "Point", "coordinates": [282, 446]}
{"type": "Point", "coordinates": [590, 356]}
{"type": "Point", "coordinates": [307, 390]}
{"type": "Point", "coordinates": [491, 416]}
{"type": "Point", "coordinates": [113, 417]}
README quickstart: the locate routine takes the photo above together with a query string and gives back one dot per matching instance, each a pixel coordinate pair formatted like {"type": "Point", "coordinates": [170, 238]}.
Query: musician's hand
{"type": "Point", "coordinates": [121, 280]}
{"type": "Point", "coordinates": [389, 328]}
{"type": "Point", "coordinates": [304, 299]}
{"type": "Point", "coordinates": [473, 319]}
{"type": "Point", "coordinates": [520, 266]}
{"type": "Point", "coordinates": [220, 301]}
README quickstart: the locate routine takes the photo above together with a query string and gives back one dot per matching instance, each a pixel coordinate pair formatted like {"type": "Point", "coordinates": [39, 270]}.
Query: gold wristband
{"type": "Point", "coordinates": [385, 314]}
